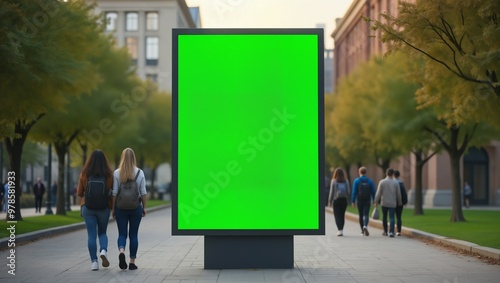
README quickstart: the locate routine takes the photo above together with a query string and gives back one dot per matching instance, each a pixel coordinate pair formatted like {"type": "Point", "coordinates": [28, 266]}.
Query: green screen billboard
{"type": "Point", "coordinates": [247, 131]}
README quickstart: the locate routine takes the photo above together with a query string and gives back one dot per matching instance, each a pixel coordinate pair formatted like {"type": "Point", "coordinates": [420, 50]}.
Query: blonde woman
{"type": "Point", "coordinates": [128, 220]}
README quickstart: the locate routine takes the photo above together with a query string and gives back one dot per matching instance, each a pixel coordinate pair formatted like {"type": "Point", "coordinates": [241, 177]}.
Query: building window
{"type": "Point", "coordinates": [111, 19]}
{"type": "Point", "coordinates": [152, 77]}
{"type": "Point", "coordinates": [132, 21]}
{"type": "Point", "coordinates": [132, 46]}
{"type": "Point", "coordinates": [152, 50]}
{"type": "Point", "coordinates": [152, 21]}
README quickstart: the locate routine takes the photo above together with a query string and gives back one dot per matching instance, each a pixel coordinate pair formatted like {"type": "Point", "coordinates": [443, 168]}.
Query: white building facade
{"type": "Point", "coordinates": [145, 28]}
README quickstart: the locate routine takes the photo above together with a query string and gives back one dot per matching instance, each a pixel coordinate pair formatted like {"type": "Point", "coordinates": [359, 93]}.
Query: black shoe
{"type": "Point", "coordinates": [132, 266]}
{"type": "Point", "coordinates": [123, 263]}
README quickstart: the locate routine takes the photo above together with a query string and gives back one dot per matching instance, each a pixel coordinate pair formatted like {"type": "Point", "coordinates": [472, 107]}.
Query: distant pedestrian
{"type": "Point", "coordinates": [363, 192]}
{"type": "Point", "coordinates": [128, 220]}
{"type": "Point", "coordinates": [339, 193]}
{"type": "Point", "coordinates": [96, 220]}
{"type": "Point", "coordinates": [404, 199]}
{"type": "Point", "coordinates": [467, 194]}
{"type": "Point", "coordinates": [38, 192]}
{"type": "Point", "coordinates": [389, 196]}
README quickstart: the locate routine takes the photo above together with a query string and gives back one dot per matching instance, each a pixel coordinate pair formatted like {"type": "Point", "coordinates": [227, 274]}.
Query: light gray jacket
{"type": "Point", "coordinates": [388, 193]}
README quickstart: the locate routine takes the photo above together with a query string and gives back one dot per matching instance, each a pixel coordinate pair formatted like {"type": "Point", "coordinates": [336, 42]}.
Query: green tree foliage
{"type": "Point", "coordinates": [363, 100]}
{"type": "Point", "coordinates": [333, 157]}
{"type": "Point", "coordinates": [156, 133]}
{"type": "Point", "coordinates": [44, 50]}
{"type": "Point", "coordinates": [458, 37]}
{"type": "Point", "coordinates": [389, 85]}
{"type": "Point", "coordinates": [90, 117]}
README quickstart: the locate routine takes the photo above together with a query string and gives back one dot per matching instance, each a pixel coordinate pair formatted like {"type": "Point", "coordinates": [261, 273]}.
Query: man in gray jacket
{"type": "Point", "coordinates": [389, 196]}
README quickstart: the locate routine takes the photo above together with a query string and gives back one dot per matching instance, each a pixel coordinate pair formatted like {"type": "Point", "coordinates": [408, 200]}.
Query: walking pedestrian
{"type": "Point", "coordinates": [389, 196]}
{"type": "Point", "coordinates": [96, 176]}
{"type": "Point", "coordinates": [38, 192]}
{"type": "Point", "coordinates": [363, 192]}
{"type": "Point", "coordinates": [467, 194]}
{"type": "Point", "coordinates": [128, 220]}
{"type": "Point", "coordinates": [404, 199]}
{"type": "Point", "coordinates": [339, 193]}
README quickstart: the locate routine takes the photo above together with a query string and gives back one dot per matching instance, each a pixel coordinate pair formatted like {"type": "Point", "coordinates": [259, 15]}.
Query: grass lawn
{"type": "Point", "coordinates": [482, 227]}
{"type": "Point", "coordinates": [35, 223]}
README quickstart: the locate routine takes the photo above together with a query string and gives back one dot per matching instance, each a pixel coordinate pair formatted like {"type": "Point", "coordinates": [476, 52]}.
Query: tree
{"type": "Point", "coordinates": [332, 153]}
{"type": "Point", "coordinates": [357, 112]}
{"type": "Point", "coordinates": [460, 37]}
{"type": "Point", "coordinates": [400, 118]}
{"type": "Point", "coordinates": [88, 117]}
{"type": "Point", "coordinates": [43, 64]}
{"type": "Point", "coordinates": [455, 138]}
{"type": "Point", "coordinates": [156, 133]}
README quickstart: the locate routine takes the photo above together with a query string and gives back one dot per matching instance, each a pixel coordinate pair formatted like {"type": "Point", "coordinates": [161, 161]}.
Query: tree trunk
{"type": "Point", "coordinates": [456, 208]}
{"type": "Point", "coordinates": [384, 165]}
{"type": "Point", "coordinates": [418, 205]}
{"type": "Point", "coordinates": [84, 148]}
{"type": "Point", "coordinates": [15, 150]}
{"type": "Point", "coordinates": [455, 152]}
{"type": "Point", "coordinates": [61, 191]}
{"type": "Point", "coordinates": [347, 168]}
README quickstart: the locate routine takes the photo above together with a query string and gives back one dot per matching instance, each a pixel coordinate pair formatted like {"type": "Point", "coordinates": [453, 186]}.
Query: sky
{"type": "Point", "coordinates": [272, 14]}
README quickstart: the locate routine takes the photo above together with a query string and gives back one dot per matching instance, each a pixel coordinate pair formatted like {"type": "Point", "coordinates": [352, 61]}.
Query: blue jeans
{"type": "Point", "coordinates": [97, 223]}
{"type": "Point", "coordinates": [364, 211]}
{"type": "Point", "coordinates": [128, 220]}
{"type": "Point", "coordinates": [391, 218]}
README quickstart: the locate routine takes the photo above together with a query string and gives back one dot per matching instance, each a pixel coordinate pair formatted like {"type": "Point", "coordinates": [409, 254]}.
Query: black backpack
{"type": "Point", "coordinates": [96, 197]}
{"type": "Point", "coordinates": [129, 196]}
{"type": "Point", "coordinates": [364, 190]}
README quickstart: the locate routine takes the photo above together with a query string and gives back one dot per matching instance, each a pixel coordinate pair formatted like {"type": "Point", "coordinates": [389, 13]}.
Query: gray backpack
{"type": "Point", "coordinates": [129, 195]}
{"type": "Point", "coordinates": [341, 190]}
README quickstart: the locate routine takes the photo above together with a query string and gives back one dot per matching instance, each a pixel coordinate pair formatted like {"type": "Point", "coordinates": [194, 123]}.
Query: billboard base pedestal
{"type": "Point", "coordinates": [241, 252]}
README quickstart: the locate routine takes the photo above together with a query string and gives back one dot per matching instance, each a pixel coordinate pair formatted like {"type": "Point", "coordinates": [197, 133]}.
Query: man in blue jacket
{"type": "Point", "coordinates": [363, 192]}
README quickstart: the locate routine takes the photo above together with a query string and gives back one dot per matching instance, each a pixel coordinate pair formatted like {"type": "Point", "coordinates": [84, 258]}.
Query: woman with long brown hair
{"type": "Point", "coordinates": [339, 195]}
{"type": "Point", "coordinates": [96, 219]}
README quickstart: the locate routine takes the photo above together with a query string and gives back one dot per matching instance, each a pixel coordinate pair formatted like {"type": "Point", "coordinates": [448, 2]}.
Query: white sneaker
{"type": "Point", "coordinates": [104, 258]}
{"type": "Point", "coordinates": [398, 234]}
{"type": "Point", "coordinates": [340, 233]}
{"type": "Point", "coordinates": [95, 266]}
{"type": "Point", "coordinates": [365, 231]}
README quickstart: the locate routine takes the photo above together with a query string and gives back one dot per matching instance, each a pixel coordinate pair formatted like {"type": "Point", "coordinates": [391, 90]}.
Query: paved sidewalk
{"type": "Point", "coordinates": [166, 258]}
{"type": "Point", "coordinates": [27, 212]}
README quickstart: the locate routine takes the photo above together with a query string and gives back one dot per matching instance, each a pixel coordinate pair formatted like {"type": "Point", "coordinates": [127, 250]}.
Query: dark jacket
{"type": "Point", "coordinates": [38, 191]}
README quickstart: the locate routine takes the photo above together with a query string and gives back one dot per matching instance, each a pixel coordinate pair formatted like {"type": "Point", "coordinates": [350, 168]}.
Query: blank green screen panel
{"type": "Point", "coordinates": [247, 131]}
